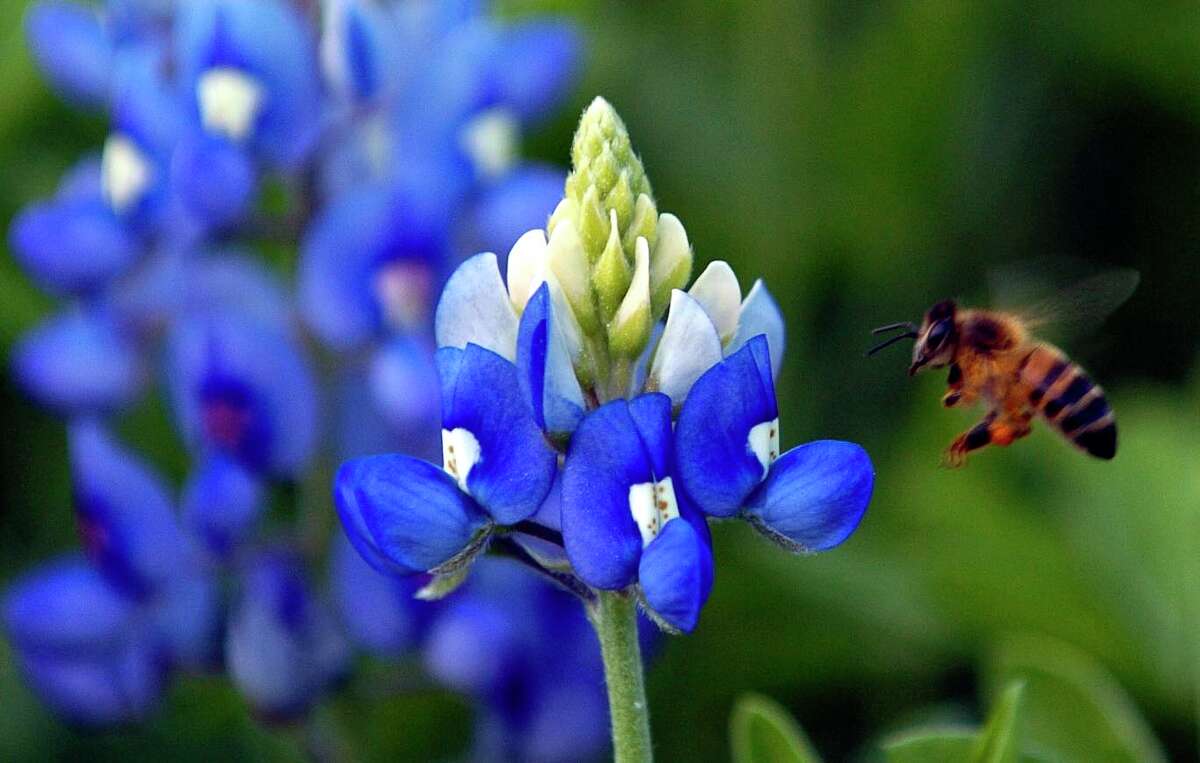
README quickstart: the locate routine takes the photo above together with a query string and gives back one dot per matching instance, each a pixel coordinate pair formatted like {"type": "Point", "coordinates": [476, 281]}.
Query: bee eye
{"type": "Point", "coordinates": [937, 335]}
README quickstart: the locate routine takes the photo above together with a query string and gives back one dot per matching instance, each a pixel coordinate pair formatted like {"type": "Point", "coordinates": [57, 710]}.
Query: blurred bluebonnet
{"type": "Point", "coordinates": [96, 637]}
{"type": "Point", "coordinates": [659, 404]}
{"type": "Point", "coordinates": [381, 140]}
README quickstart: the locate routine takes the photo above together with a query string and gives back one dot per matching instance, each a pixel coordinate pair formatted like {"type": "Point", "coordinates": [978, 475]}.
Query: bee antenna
{"type": "Point", "coordinates": [893, 326]}
{"type": "Point", "coordinates": [890, 342]}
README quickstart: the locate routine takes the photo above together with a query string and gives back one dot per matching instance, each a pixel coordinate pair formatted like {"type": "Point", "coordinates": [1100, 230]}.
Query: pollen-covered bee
{"type": "Point", "coordinates": [994, 357]}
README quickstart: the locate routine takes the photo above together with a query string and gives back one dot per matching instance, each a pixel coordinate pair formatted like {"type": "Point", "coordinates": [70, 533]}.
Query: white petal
{"type": "Point", "coordinates": [672, 247]}
{"type": "Point", "coordinates": [569, 264]}
{"type": "Point", "coordinates": [528, 262]}
{"type": "Point", "coordinates": [760, 315]}
{"type": "Point", "coordinates": [475, 308]}
{"type": "Point", "coordinates": [717, 290]}
{"type": "Point", "coordinates": [689, 347]}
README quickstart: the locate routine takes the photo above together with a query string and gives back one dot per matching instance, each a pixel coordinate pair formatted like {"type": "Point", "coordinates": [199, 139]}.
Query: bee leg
{"type": "Point", "coordinates": [974, 438]}
{"type": "Point", "coordinates": [954, 395]}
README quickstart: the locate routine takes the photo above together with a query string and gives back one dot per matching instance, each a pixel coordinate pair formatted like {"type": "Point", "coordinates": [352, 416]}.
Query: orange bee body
{"type": "Point", "coordinates": [993, 358]}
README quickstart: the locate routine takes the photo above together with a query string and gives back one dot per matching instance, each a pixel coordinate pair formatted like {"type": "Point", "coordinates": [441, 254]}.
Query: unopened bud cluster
{"type": "Point", "coordinates": [616, 258]}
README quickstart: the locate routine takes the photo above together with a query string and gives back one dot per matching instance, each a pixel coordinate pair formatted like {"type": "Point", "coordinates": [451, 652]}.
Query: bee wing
{"type": "Point", "coordinates": [1065, 313]}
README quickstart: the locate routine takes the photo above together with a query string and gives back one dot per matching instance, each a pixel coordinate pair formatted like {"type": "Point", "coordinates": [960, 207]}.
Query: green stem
{"type": "Point", "coordinates": [614, 616]}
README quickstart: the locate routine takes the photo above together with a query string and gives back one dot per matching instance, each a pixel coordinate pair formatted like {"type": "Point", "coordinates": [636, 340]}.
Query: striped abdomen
{"type": "Point", "coordinates": [1062, 392]}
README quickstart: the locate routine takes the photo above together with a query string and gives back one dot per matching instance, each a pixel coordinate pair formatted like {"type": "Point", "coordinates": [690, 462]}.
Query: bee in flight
{"type": "Point", "coordinates": [993, 357]}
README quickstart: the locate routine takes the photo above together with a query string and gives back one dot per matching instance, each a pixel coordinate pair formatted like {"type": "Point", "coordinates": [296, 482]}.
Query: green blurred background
{"type": "Point", "coordinates": [867, 159]}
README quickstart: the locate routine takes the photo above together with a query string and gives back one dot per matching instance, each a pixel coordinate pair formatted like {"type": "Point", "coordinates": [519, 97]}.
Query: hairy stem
{"type": "Point", "coordinates": [614, 616]}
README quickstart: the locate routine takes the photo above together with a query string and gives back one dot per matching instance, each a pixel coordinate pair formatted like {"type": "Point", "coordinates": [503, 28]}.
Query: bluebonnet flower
{"type": "Point", "coordinates": [574, 352]}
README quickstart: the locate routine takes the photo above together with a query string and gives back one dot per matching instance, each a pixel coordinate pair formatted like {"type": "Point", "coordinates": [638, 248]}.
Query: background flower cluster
{"type": "Point", "coordinates": [280, 193]}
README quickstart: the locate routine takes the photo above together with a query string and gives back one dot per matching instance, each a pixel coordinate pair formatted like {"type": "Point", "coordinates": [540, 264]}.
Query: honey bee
{"type": "Point", "coordinates": [993, 357]}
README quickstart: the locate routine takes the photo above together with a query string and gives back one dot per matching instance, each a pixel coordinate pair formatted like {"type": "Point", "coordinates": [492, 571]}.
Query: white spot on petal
{"type": "Point", "coordinates": [764, 443]}
{"type": "Point", "coordinates": [230, 101]}
{"type": "Point", "coordinates": [460, 453]}
{"type": "Point", "coordinates": [652, 505]}
{"type": "Point", "coordinates": [125, 172]}
{"type": "Point", "coordinates": [490, 139]}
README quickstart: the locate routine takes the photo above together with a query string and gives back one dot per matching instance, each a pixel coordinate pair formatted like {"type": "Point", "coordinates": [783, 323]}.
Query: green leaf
{"type": "Point", "coordinates": [762, 731]}
{"type": "Point", "coordinates": [1072, 709]}
{"type": "Point", "coordinates": [999, 741]}
{"type": "Point", "coordinates": [931, 746]}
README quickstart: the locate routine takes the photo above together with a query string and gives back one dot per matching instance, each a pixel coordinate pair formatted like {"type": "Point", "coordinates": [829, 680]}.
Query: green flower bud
{"type": "Point", "coordinates": [629, 330]}
{"type": "Point", "coordinates": [606, 176]}
{"type": "Point", "coordinates": [593, 224]}
{"type": "Point", "coordinates": [612, 275]}
{"type": "Point", "coordinates": [644, 224]}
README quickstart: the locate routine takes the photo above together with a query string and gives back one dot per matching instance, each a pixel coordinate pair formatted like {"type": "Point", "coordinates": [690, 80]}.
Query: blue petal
{"type": "Point", "coordinates": [145, 107]}
{"type": "Point", "coordinates": [814, 495]}
{"type": "Point", "coordinates": [337, 259]}
{"type": "Point", "coordinates": [536, 65]}
{"type": "Point", "coordinates": [567, 721]}
{"type": "Point", "coordinates": [125, 513]}
{"type": "Point", "coordinates": [222, 503]}
{"type": "Point", "coordinates": [71, 48]}
{"type": "Point", "coordinates": [280, 647]}
{"type": "Point", "coordinates": [98, 691]}
{"type": "Point", "coordinates": [716, 464]}
{"type": "Point", "coordinates": [379, 611]}
{"type": "Point", "coordinates": [480, 393]}
{"type": "Point", "coordinates": [79, 362]}
{"type": "Point", "coordinates": [360, 49]}
{"type": "Point", "coordinates": [471, 647]}
{"type": "Point", "coordinates": [67, 607]}
{"type": "Point", "coordinates": [475, 308]}
{"type": "Point", "coordinates": [547, 375]}
{"type": "Point", "coordinates": [244, 389]}
{"type": "Point", "coordinates": [606, 457]}
{"type": "Point", "coordinates": [676, 575]}
{"type": "Point", "coordinates": [521, 201]}
{"type": "Point", "coordinates": [215, 179]}
{"type": "Point", "coordinates": [81, 181]}
{"type": "Point", "coordinates": [761, 315]}
{"type": "Point", "coordinates": [404, 515]}
{"type": "Point", "coordinates": [651, 414]}
{"type": "Point", "coordinates": [405, 387]}
{"type": "Point", "coordinates": [73, 245]}
{"type": "Point", "coordinates": [233, 282]}
{"type": "Point", "coordinates": [188, 618]}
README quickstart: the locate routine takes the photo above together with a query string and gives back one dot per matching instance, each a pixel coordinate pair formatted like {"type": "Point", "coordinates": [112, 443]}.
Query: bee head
{"type": "Point", "coordinates": [937, 338]}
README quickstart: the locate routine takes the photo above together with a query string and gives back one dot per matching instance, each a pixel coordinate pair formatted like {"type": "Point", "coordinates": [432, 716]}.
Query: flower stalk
{"type": "Point", "coordinates": [614, 616]}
